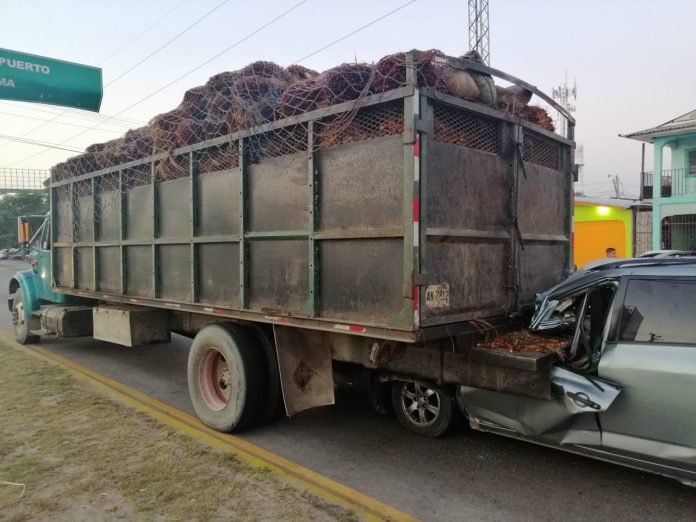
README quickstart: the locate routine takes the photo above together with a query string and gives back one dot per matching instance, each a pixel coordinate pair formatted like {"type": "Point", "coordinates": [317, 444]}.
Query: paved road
{"type": "Point", "coordinates": [466, 476]}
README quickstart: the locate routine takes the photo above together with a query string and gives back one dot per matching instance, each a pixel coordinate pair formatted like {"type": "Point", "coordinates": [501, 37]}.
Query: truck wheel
{"type": "Point", "coordinates": [22, 326]}
{"type": "Point", "coordinates": [225, 378]}
{"type": "Point", "coordinates": [422, 410]}
{"type": "Point", "coordinates": [273, 404]}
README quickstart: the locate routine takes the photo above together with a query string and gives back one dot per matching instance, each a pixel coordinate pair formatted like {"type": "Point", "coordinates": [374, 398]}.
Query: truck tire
{"type": "Point", "coordinates": [226, 378]}
{"type": "Point", "coordinates": [422, 410]}
{"type": "Point", "coordinates": [22, 327]}
{"type": "Point", "coordinates": [273, 404]}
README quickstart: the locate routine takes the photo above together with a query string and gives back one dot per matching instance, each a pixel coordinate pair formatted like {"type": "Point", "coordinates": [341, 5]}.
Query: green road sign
{"type": "Point", "coordinates": [27, 77]}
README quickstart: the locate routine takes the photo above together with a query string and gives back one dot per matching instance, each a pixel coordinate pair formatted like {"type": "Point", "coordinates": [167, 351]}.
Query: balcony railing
{"type": "Point", "coordinates": [672, 183]}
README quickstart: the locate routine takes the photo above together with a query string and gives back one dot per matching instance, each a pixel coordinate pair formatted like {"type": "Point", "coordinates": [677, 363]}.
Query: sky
{"type": "Point", "coordinates": [630, 60]}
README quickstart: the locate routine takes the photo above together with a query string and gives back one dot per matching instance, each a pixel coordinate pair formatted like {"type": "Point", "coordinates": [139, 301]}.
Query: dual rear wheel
{"type": "Point", "coordinates": [233, 377]}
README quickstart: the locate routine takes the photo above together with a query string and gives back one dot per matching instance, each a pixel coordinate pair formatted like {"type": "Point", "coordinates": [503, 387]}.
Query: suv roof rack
{"type": "Point", "coordinates": [645, 261]}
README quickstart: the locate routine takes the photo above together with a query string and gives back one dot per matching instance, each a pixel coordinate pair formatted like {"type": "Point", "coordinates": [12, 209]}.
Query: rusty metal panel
{"type": "Point", "coordinates": [174, 208]}
{"type": "Point", "coordinates": [544, 228]}
{"type": "Point", "coordinates": [362, 279]}
{"type": "Point", "coordinates": [85, 269]}
{"type": "Point", "coordinates": [175, 272]}
{"type": "Point", "coordinates": [467, 189]}
{"type": "Point", "coordinates": [108, 261]}
{"type": "Point", "coordinates": [63, 266]}
{"type": "Point", "coordinates": [277, 192]}
{"type": "Point", "coordinates": [218, 203]}
{"type": "Point", "coordinates": [468, 232]}
{"type": "Point", "coordinates": [63, 217]}
{"type": "Point", "coordinates": [139, 270]}
{"type": "Point", "coordinates": [361, 185]}
{"type": "Point", "coordinates": [218, 272]}
{"type": "Point", "coordinates": [547, 186]}
{"type": "Point", "coordinates": [85, 218]}
{"type": "Point", "coordinates": [109, 217]}
{"type": "Point", "coordinates": [139, 213]}
{"type": "Point", "coordinates": [278, 275]}
{"type": "Point", "coordinates": [474, 272]}
{"type": "Point", "coordinates": [542, 265]}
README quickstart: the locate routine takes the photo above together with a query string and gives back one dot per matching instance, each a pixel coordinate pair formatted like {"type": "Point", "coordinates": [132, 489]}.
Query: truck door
{"type": "Point", "coordinates": [653, 357]}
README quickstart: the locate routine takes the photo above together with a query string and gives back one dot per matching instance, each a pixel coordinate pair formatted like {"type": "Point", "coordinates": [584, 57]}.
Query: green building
{"type": "Point", "coordinates": [671, 187]}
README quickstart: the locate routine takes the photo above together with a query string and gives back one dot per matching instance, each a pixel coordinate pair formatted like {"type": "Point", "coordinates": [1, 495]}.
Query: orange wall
{"type": "Point", "coordinates": [592, 238]}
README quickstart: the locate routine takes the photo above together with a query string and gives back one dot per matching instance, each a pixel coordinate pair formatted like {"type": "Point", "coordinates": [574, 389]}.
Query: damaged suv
{"type": "Point", "coordinates": [624, 392]}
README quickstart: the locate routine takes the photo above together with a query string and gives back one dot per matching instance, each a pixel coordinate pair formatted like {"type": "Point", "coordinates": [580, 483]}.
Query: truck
{"type": "Point", "coordinates": [386, 256]}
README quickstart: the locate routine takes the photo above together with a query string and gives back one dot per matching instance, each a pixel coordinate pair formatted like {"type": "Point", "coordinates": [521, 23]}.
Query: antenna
{"type": "Point", "coordinates": [563, 94]}
{"type": "Point", "coordinates": [478, 29]}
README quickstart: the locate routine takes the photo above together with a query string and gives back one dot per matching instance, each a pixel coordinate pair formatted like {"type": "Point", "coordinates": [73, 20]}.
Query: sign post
{"type": "Point", "coordinates": [27, 77]}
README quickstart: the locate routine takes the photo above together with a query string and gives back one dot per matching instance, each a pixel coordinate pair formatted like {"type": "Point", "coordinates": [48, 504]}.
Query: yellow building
{"type": "Point", "coordinates": [601, 223]}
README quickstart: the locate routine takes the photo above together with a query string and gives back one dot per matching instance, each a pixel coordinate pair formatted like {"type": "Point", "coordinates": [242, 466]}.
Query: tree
{"type": "Point", "coordinates": [19, 204]}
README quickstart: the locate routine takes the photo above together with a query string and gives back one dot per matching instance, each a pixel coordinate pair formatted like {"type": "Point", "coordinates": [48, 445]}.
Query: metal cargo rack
{"type": "Point", "coordinates": [344, 238]}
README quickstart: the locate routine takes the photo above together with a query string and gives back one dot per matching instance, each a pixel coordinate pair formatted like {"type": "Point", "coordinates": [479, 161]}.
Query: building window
{"type": "Point", "coordinates": [691, 162]}
{"type": "Point", "coordinates": [659, 312]}
{"type": "Point", "coordinates": [679, 232]}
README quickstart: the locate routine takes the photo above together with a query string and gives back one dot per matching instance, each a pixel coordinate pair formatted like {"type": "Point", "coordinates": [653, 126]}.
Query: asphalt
{"type": "Point", "coordinates": [465, 476]}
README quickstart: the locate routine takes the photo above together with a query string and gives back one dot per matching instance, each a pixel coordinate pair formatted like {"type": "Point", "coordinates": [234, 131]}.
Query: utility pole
{"type": "Point", "coordinates": [616, 183]}
{"type": "Point", "coordinates": [479, 39]}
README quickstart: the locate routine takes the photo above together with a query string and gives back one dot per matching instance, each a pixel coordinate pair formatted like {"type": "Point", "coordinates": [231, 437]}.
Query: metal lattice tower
{"type": "Point", "coordinates": [479, 39]}
{"type": "Point", "coordinates": [564, 94]}
{"type": "Point", "coordinates": [22, 180]}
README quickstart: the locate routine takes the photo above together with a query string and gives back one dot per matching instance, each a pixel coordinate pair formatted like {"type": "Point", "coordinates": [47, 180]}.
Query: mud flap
{"type": "Point", "coordinates": [306, 375]}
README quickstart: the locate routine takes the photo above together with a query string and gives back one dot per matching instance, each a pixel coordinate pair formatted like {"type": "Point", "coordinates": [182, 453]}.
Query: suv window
{"type": "Point", "coordinates": [659, 312]}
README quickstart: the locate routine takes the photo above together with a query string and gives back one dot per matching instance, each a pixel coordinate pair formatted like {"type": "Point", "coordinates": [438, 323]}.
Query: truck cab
{"type": "Point", "coordinates": [31, 288]}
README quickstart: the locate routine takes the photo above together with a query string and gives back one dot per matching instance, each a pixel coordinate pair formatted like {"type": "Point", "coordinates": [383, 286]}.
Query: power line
{"type": "Point", "coordinates": [355, 31]}
{"type": "Point", "coordinates": [20, 139]}
{"type": "Point", "coordinates": [227, 49]}
{"type": "Point", "coordinates": [174, 38]}
{"type": "Point", "coordinates": [46, 122]}
{"type": "Point", "coordinates": [165, 15]}
{"type": "Point", "coordinates": [77, 115]}
{"type": "Point", "coordinates": [57, 122]}
{"type": "Point", "coordinates": [235, 44]}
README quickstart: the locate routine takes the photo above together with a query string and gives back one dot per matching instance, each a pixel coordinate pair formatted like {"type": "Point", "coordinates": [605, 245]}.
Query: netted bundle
{"type": "Point", "coordinates": [264, 92]}
{"type": "Point", "coordinates": [390, 71]}
{"type": "Point", "coordinates": [538, 116]}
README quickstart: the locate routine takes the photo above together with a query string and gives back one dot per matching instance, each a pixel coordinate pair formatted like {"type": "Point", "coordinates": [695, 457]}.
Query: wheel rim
{"type": "Point", "coordinates": [420, 404]}
{"type": "Point", "coordinates": [214, 379]}
{"type": "Point", "coordinates": [18, 315]}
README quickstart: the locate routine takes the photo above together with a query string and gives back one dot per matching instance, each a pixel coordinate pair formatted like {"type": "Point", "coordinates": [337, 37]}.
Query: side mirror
{"type": "Point", "coordinates": [23, 231]}
{"type": "Point", "coordinates": [576, 172]}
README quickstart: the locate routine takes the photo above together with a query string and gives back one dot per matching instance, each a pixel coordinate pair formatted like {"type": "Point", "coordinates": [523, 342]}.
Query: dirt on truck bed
{"type": "Point", "coordinates": [521, 341]}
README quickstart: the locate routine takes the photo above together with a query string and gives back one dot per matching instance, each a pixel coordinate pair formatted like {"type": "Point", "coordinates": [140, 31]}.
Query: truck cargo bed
{"type": "Point", "coordinates": [429, 218]}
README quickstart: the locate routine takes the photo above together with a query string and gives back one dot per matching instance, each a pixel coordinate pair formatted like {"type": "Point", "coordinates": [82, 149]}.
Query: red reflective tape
{"type": "Point", "coordinates": [415, 298]}
{"type": "Point", "coordinates": [416, 209]}
{"type": "Point", "coordinates": [356, 328]}
{"type": "Point", "coordinates": [416, 148]}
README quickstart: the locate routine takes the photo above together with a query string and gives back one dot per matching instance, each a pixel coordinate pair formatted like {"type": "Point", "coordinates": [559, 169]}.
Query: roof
{"type": "Point", "coordinates": [608, 202]}
{"type": "Point", "coordinates": [679, 125]}
{"type": "Point", "coordinates": [615, 268]}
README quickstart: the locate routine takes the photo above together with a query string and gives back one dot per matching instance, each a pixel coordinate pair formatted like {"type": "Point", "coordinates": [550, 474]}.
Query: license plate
{"type": "Point", "coordinates": [437, 296]}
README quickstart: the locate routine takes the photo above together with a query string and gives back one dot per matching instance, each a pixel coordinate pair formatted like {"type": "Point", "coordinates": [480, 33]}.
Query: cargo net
{"type": "Point", "coordinates": [252, 100]}
{"type": "Point", "coordinates": [541, 151]}
{"type": "Point", "coordinates": [460, 127]}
